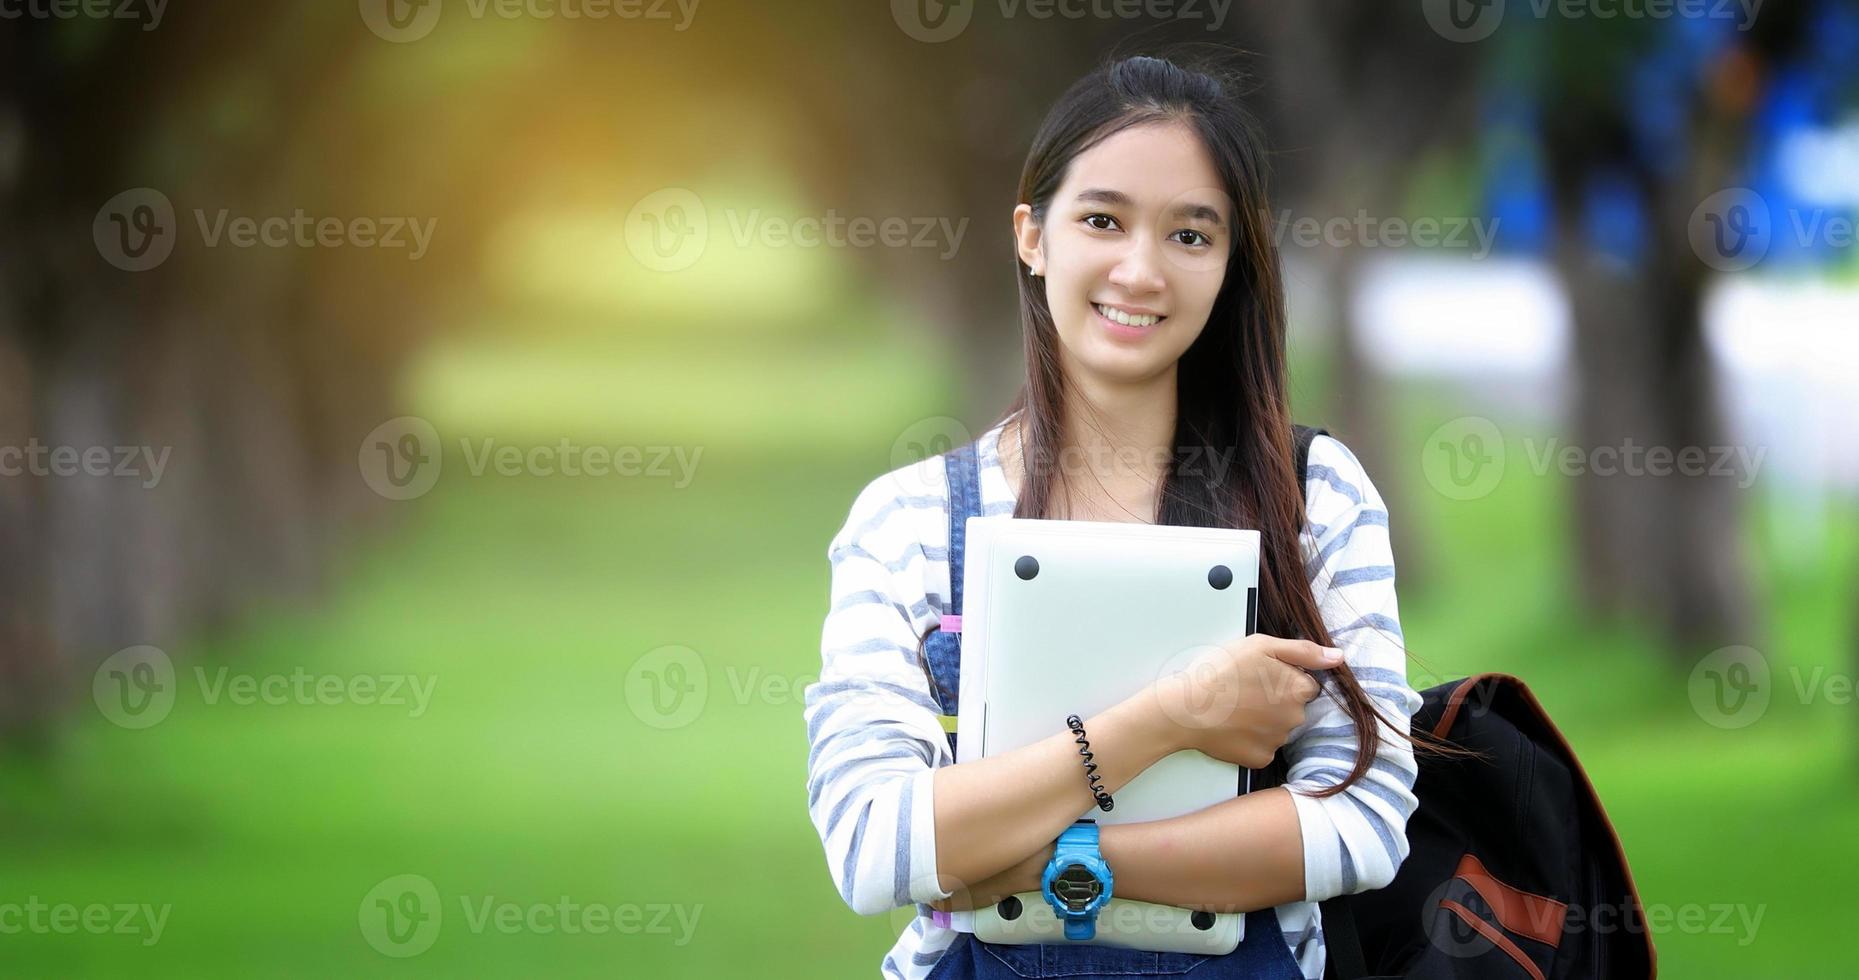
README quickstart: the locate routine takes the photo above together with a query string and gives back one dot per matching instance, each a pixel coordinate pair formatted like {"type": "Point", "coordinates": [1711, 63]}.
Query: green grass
{"type": "Point", "coordinates": [527, 601]}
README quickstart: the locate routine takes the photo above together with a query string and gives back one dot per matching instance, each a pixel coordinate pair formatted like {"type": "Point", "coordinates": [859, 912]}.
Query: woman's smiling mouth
{"type": "Point", "coordinates": [1122, 323]}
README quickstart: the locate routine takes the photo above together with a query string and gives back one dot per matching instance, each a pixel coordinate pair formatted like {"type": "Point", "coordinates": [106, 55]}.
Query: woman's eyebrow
{"type": "Point", "coordinates": [1201, 212]}
{"type": "Point", "coordinates": [1116, 198]}
{"type": "Point", "coordinates": [1104, 195]}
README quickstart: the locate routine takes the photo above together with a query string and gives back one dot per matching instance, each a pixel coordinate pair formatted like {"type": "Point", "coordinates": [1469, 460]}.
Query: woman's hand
{"type": "Point", "coordinates": [1022, 877]}
{"type": "Point", "coordinates": [1239, 702]}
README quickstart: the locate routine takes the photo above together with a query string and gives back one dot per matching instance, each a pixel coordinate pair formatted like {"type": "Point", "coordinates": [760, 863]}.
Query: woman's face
{"type": "Point", "coordinates": [1140, 229]}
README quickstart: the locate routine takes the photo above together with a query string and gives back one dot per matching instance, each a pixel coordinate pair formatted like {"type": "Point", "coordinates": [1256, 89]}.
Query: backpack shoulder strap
{"type": "Point", "coordinates": [1301, 437]}
{"type": "Point", "coordinates": [1343, 959]}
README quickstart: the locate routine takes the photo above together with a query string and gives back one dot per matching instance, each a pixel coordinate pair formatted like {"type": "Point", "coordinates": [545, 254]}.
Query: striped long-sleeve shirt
{"type": "Point", "coordinates": [875, 739]}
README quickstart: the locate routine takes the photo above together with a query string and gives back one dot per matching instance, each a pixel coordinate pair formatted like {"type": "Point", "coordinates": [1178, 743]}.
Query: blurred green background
{"type": "Point", "coordinates": [262, 836]}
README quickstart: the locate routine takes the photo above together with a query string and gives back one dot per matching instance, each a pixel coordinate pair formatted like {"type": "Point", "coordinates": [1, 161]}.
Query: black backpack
{"type": "Point", "coordinates": [1513, 870]}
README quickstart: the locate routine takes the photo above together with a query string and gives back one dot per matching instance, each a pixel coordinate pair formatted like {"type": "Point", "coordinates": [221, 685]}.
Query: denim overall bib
{"type": "Point", "coordinates": [1261, 955]}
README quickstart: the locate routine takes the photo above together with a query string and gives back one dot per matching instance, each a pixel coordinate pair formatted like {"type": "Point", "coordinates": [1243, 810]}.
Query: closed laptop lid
{"type": "Point", "coordinates": [1072, 617]}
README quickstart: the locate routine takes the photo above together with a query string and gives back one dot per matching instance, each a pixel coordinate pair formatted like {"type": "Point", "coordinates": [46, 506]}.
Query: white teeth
{"type": "Point", "coordinates": [1127, 319]}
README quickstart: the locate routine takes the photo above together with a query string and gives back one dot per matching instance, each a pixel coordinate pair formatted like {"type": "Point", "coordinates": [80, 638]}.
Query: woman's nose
{"type": "Point", "coordinates": [1139, 269]}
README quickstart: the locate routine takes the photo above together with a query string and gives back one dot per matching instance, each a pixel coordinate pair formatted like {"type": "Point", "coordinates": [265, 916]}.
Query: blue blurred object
{"type": "Point", "coordinates": [1516, 189]}
{"type": "Point", "coordinates": [1614, 218]}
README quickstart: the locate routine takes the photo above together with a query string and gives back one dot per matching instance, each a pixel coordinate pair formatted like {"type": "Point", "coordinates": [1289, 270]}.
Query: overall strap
{"type": "Point", "coordinates": [964, 468]}
{"type": "Point", "coordinates": [944, 645]}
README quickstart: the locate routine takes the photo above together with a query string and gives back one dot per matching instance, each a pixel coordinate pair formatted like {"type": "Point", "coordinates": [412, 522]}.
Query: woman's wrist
{"type": "Point", "coordinates": [1140, 722]}
{"type": "Point", "coordinates": [1152, 718]}
{"type": "Point", "coordinates": [1033, 870]}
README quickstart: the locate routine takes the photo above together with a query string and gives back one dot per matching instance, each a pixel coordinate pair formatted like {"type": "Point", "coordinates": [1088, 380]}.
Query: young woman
{"type": "Point", "coordinates": [1154, 325]}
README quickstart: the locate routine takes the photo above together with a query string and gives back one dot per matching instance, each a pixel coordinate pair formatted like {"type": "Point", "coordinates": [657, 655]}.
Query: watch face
{"type": "Point", "coordinates": [1077, 887]}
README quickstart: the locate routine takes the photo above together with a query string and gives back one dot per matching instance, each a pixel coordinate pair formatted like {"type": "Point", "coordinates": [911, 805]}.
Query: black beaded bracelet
{"type": "Point", "coordinates": [1104, 802]}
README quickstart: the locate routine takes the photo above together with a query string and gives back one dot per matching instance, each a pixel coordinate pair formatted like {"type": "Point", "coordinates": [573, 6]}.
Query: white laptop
{"type": "Point", "coordinates": [1072, 617]}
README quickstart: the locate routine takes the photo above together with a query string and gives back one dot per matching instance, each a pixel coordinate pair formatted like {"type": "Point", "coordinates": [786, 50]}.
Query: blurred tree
{"type": "Point", "coordinates": [1642, 122]}
{"type": "Point", "coordinates": [1348, 137]}
{"type": "Point", "coordinates": [255, 370]}
{"type": "Point", "coordinates": [941, 129]}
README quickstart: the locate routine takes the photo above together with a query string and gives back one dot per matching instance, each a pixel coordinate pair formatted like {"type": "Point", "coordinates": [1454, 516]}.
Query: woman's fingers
{"type": "Point", "coordinates": [1307, 687]}
{"type": "Point", "coordinates": [1240, 706]}
{"type": "Point", "coordinates": [1296, 659]}
{"type": "Point", "coordinates": [1301, 653]}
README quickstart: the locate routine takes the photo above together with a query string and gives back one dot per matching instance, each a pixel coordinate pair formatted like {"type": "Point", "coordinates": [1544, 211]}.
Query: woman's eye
{"type": "Point", "coordinates": [1198, 239]}
{"type": "Point", "coordinates": [1093, 219]}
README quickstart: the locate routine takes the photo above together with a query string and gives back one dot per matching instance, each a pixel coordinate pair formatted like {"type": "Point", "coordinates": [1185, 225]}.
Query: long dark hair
{"type": "Point", "coordinates": [1232, 404]}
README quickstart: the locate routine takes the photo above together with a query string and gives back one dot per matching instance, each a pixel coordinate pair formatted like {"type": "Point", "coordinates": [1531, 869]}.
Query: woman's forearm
{"type": "Point", "coordinates": [991, 813]}
{"type": "Point", "coordinates": [1239, 855]}
{"type": "Point", "coordinates": [1235, 856]}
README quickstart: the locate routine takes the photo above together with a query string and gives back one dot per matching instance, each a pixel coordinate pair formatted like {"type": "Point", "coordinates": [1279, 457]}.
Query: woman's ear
{"type": "Point", "coordinates": [1028, 239]}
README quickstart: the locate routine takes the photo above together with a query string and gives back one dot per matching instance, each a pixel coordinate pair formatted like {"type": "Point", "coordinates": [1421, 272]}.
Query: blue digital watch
{"type": "Point", "coordinates": [1077, 881]}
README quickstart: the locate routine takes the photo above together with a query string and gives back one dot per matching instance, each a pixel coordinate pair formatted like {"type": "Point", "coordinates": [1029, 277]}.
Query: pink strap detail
{"type": "Point", "coordinates": [941, 918]}
{"type": "Point", "coordinates": [951, 624]}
